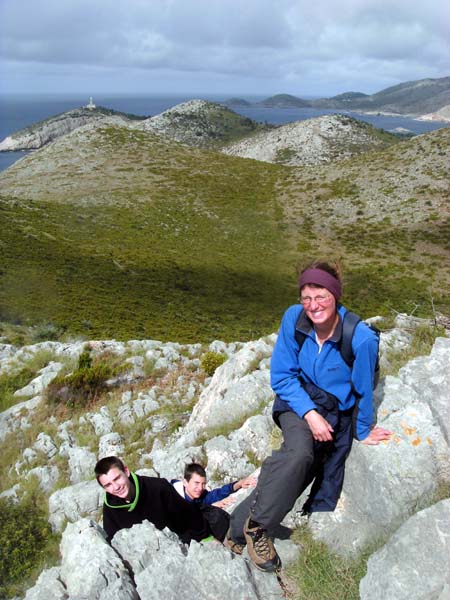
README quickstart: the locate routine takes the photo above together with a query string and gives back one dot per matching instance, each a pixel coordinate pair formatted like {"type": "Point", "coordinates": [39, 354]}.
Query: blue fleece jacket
{"type": "Point", "coordinates": [325, 368]}
{"type": "Point", "coordinates": [209, 497]}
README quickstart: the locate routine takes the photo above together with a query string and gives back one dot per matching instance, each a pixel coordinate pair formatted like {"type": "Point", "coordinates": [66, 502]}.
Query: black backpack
{"type": "Point", "coordinates": [349, 324]}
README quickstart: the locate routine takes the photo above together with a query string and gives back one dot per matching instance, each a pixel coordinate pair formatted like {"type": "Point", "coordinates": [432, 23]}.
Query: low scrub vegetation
{"type": "Point", "coordinates": [210, 361]}
{"type": "Point", "coordinates": [319, 574]}
{"type": "Point", "coordinates": [83, 386]}
{"type": "Point", "coordinates": [26, 544]}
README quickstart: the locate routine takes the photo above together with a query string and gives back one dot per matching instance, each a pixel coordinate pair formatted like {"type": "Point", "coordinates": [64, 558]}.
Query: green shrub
{"type": "Point", "coordinates": [26, 542]}
{"type": "Point", "coordinates": [210, 361]}
{"type": "Point", "coordinates": [84, 386]}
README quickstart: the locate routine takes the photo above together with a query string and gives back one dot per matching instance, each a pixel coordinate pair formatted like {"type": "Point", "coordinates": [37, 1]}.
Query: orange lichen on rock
{"type": "Point", "coordinates": [416, 441]}
{"type": "Point", "coordinates": [407, 430]}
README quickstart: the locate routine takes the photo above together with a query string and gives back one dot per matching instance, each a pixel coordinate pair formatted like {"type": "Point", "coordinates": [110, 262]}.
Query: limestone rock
{"type": "Point", "coordinates": [90, 568]}
{"type": "Point", "coordinates": [17, 416]}
{"type": "Point", "coordinates": [49, 586]}
{"type": "Point", "coordinates": [398, 475]}
{"type": "Point", "coordinates": [81, 464]}
{"type": "Point", "coordinates": [414, 564]}
{"type": "Point", "coordinates": [236, 389]}
{"type": "Point", "coordinates": [38, 384]}
{"type": "Point", "coordinates": [73, 502]}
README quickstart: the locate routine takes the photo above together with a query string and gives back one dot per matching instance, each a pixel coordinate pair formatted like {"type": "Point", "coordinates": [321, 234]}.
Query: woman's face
{"type": "Point", "coordinates": [319, 304]}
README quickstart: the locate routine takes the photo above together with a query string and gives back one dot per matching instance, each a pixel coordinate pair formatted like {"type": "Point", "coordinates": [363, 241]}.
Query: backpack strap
{"type": "Point", "coordinates": [349, 323]}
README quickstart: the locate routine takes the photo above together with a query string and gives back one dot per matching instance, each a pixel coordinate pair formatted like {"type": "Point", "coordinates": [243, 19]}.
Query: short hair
{"type": "Point", "coordinates": [192, 468]}
{"type": "Point", "coordinates": [104, 465]}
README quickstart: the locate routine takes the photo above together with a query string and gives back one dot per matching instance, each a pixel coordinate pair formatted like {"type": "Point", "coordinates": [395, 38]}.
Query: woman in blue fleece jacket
{"type": "Point", "coordinates": [318, 398]}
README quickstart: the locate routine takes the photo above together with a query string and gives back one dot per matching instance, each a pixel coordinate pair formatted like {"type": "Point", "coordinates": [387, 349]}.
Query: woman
{"type": "Point", "coordinates": [319, 397]}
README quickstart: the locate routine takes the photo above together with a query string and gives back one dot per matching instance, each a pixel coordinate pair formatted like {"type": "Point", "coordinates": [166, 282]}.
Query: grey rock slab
{"type": "Point", "coordinates": [48, 586]}
{"type": "Point", "coordinates": [143, 545]}
{"type": "Point", "coordinates": [208, 572]}
{"type": "Point", "coordinates": [429, 377]}
{"type": "Point", "coordinates": [17, 416]}
{"type": "Point", "coordinates": [81, 464]}
{"type": "Point", "coordinates": [384, 484]}
{"type": "Point", "coordinates": [46, 445]}
{"type": "Point", "coordinates": [71, 503]}
{"type": "Point", "coordinates": [101, 421]}
{"type": "Point", "coordinates": [232, 456]}
{"type": "Point", "coordinates": [38, 384]}
{"type": "Point", "coordinates": [111, 444]}
{"type": "Point", "coordinates": [47, 475]}
{"type": "Point", "coordinates": [90, 568]}
{"type": "Point", "coordinates": [415, 562]}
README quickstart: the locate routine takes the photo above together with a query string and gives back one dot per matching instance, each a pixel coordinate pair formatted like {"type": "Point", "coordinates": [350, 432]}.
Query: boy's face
{"type": "Point", "coordinates": [117, 483]}
{"type": "Point", "coordinates": [195, 486]}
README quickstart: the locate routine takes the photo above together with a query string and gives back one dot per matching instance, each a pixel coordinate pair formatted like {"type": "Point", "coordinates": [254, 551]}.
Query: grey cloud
{"type": "Point", "coordinates": [290, 41]}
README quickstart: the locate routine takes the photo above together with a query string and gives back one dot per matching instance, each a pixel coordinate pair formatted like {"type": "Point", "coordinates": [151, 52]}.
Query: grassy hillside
{"type": "Point", "coordinates": [117, 233]}
{"type": "Point", "coordinates": [386, 214]}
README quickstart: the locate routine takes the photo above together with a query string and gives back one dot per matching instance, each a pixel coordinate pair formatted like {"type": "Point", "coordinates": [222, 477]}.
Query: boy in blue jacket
{"type": "Point", "coordinates": [193, 487]}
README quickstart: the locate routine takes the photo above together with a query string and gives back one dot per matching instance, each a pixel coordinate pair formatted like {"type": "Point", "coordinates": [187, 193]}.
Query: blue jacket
{"type": "Point", "coordinates": [325, 368]}
{"type": "Point", "coordinates": [207, 497]}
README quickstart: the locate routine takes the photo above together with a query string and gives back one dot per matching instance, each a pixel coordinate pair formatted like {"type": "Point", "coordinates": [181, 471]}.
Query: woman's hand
{"type": "Point", "coordinates": [320, 428]}
{"type": "Point", "coordinates": [377, 435]}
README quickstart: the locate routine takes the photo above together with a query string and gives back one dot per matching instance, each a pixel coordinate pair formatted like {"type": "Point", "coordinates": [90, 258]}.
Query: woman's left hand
{"type": "Point", "coordinates": [377, 435]}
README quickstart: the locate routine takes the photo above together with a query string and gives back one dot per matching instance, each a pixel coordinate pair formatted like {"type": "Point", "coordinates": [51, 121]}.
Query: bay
{"type": "Point", "coordinates": [17, 112]}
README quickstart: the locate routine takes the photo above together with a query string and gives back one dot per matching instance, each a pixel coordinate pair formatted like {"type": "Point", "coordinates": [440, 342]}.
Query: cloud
{"type": "Point", "coordinates": [289, 41]}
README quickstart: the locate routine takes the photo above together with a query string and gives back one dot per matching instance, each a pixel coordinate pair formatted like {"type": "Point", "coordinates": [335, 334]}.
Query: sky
{"type": "Point", "coordinates": [231, 47]}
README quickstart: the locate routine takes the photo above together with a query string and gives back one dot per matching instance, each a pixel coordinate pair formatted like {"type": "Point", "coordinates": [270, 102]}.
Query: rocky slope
{"type": "Point", "coordinates": [312, 142]}
{"type": "Point", "coordinates": [443, 114]}
{"type": "Point", "coordinates": [202, 124]}
{"type": "Point", "coordinates": [161, 412]}
{"type": "Point", "coordinates": [41, 133]}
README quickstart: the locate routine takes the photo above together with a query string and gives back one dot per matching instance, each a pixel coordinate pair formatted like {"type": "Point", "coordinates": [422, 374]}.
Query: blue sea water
{"type": "Point", "coordinates": [17, 112]}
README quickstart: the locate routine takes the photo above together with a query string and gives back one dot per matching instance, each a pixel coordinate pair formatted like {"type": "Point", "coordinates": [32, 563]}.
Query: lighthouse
{"type": "Point", "coordinates": [91, 104]}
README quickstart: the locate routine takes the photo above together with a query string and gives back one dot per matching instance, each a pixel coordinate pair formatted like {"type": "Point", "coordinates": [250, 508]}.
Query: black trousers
{"type": "Point", "coordinates": [288, 472]}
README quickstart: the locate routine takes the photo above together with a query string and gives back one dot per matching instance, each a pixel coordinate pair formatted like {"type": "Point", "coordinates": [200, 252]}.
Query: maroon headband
{"type": "Point", "coordinates": [322, 279]}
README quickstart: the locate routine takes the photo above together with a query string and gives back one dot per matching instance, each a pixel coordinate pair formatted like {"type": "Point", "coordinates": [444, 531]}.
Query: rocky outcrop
{"type": "Point", "coordinates": [41, 133]}
{"type": "Point", "coordinates": [230, 430]}
{"type": "Point", "coordinates": [414, 564]}
{"type": "Point", "coordinates": [201, 123]}
{"type": "Point", "coordinates": [442, 114]}
{"type": "Point", "coordinates": [310, 142]}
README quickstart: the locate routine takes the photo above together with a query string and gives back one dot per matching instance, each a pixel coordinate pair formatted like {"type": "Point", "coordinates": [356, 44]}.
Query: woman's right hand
{"type": "Point", "coordinates": [320, 428]}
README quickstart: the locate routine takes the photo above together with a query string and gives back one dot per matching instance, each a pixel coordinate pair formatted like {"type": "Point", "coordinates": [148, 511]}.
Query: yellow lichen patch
{"type": "Point", "coordinates": [407, 430]}
{"type": "Point", "coordinates": [416, 441]}
{"type": "Point", "coordinates": [429, 442]}
{"type": "Point", "coordinates": [397, 439]}
{"type": "Point", "coordinates": [384, 412]}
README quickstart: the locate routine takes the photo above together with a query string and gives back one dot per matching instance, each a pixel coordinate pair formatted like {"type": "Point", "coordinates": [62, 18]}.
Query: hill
{"type": "Point", "coordinates": [112, 231]}
{"type": "Point", "coordinates": [42, 132]}
{"type": "Point", "coordinates": [412, 97]}
{"type": "Point", "coordinates": [313, 141]}
{"type": "Point", "coordinates": [123, 232]}
{"type": "Point", "coordinates": [283, 101]}
{"type": "Point", "coordinates": [202, 124]}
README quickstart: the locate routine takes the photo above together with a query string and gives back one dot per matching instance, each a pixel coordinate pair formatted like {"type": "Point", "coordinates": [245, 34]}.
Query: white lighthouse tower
{"type": "Point", "coordinates": [91, 104]}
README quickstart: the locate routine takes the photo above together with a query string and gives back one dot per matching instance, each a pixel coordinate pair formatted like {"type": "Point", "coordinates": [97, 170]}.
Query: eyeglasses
{"type": "Point", "coordinates": [323, 300]}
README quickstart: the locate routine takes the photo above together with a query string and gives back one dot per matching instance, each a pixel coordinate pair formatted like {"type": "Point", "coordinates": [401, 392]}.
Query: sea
{"type": "Point", "coordinates": [17, 112]}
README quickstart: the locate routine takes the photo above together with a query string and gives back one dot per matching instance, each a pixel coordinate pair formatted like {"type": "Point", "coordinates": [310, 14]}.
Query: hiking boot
{"type": "Point", "coordinates": [260, 547]}
{"type": "Point", "coordinates": [235, 547]}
